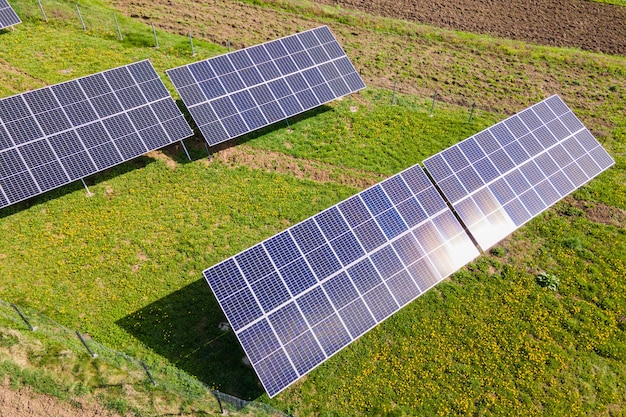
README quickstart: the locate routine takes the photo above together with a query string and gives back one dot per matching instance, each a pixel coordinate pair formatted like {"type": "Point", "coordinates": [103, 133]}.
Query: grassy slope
{"type": "Point", "coordinates": [489, 341]}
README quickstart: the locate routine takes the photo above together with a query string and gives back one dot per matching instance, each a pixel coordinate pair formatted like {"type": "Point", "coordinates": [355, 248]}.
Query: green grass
{"type": "Point", "coordinates": [615, 2]}
{"type": "Point", "coordinates": [373, 135]}
{"type": "Point", "coordinates": [52, 361]}
{"type": "Point", "coordinates": [125, 265]}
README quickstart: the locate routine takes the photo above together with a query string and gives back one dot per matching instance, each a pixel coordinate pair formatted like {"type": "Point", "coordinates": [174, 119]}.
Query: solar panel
{"type": "Point", "coordinates": [60, 133]}
{"type": "Point", "coordinates": [502, 177]}
{"type": "Point", "coordinates": [299, 297]}
{"type": "Point", "coordinates": [8, 17]}
{"type": "Point", "coordinates": [233, 94]}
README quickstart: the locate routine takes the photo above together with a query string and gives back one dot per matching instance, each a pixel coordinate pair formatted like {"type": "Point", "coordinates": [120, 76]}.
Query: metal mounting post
{"type": "Point", "coordinates": [89, 193]}
{"type": "Point", "coordinates": [185, 148]}
{"type": "Point", "coordinates": [393, 95]}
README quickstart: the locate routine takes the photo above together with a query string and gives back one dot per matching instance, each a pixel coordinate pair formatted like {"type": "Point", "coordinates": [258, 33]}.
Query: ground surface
{"type": "Point", "coordinates": [580, 24]}
{"type": "Point", "coordinates": [26, 403]}
{"type": "Point", "coordinates": [570, 23]}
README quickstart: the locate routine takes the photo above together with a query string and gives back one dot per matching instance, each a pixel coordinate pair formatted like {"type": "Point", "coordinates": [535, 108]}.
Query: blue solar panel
{"type": "Point", "coordinates": [284, 77]}
{"type": "Point", "coordinates": [309, 291]}
{"type": "Point", "coordinates": [57, 134]}
{"type": "Point", "coordinates": [8, 17]}
{"type": "Point", "coordinates": [504, 176]}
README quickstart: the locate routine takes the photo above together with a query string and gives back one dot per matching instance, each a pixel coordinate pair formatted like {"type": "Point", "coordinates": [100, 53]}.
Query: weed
{"type": "Point", "coordinates": [549, 281]}
{"type": "Point", "coordinates": [573, 243]}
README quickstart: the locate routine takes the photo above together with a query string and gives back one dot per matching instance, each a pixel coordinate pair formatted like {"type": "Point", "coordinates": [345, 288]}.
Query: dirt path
{"type": "Point", "coordinates": [570, 23]}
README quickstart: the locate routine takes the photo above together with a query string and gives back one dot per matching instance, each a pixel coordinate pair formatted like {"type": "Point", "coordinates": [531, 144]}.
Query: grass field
{"type": "Point", "coordinates": [125, 264]}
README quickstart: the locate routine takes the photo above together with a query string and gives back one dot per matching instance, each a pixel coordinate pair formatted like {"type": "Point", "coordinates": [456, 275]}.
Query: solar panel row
{"type": "Point", "coordinates": [299, 297]}
{"type": "Point", "coordinates": [8, 17]}
{"type": "Point", "coordinates": [236, 93]}
{"type": "Point", "coordinates": [502, 177]}
{"type": "Point", "coordinates": [57, 134]}
{"type": "Point", "coordinates": [304, 294]}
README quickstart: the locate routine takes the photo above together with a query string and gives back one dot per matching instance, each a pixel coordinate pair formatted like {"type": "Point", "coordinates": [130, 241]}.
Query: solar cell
{"type": "Point", "coordinates": [8, 17]}
{"type": "Point", "coordinates": [267, 83]}
{"type": "Point", "coordinates": [502, 177]}
{"type": "Point", "coordinates": [299, 297]}
{"type": "Point", "coordinates": [57, 134]}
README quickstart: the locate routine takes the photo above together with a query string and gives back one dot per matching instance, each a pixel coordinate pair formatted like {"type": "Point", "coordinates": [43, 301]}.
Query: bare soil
{"type": "Point", "coordinates": [417, 59]}
{"type": "Point", "coordinates": [600, 213]}
{"type": "Point", "coordinates": [564, 23]}
{"type": "Point", "coordinates": [26, 403]}
{"type": "Point", "coordinates": [278, 162]}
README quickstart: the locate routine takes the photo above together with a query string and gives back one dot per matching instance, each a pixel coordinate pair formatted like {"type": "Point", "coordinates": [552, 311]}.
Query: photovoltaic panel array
{"type": "Point", "coordinates": [236, 93]}
{"type": "Point", "coordinates": [58, 134]}
{"type": "Point", "coordinates": [502, 177]}
{"type": "Point", "coordinates": [299, 297]}
{"type": "Point", "coordinates": [8, 17]}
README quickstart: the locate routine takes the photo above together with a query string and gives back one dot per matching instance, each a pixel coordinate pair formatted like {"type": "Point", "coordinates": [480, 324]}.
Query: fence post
{"type": "Point", "coordinates": [229, 45]}
{"type": "Point", "coordinates": [472, 112]}
{"type": "Point", "coordinates": [432, 107]}
{"type": "Point", "coordinates": [193, 52]}
{"type": "Point", "coordinates": [117, 25]}
{"type": "Point", "coordinates": [82, 22]}
{"type": "Point", "coordinates": [219, 401]}
{"type": "Point", "coordinates": [80, 336]}
{"type": "Point", "coordinates": [156, 40]}
{"type": "Point", "coordinates": [43, 13]}
{"type": "Point", "coordinates": [32, 329]}
{"type": "Point", "coordinates": [393, 95]}
{"type": "Point", "coordinates": [145, 367]}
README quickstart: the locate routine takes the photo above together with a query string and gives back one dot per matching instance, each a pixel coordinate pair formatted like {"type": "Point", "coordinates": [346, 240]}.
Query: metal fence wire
{"type": "Point", "coordinates": [125, 368]}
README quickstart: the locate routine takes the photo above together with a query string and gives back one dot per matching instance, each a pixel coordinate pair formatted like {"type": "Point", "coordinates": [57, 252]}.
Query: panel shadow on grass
{"type": "Point", "coordinates": [183, 327]}
{"type": "Point", "coordinates": [75, 185]}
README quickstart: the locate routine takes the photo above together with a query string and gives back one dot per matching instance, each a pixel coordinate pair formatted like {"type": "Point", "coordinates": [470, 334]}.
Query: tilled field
{"type": "Point", "coordinates": [570, 23]}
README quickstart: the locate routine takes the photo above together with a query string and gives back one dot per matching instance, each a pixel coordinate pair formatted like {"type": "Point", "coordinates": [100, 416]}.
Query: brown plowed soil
{"type": "Point", "coordinates": [564, 23]}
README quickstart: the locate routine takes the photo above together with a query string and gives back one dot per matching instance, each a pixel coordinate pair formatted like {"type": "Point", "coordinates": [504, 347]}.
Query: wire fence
{"type": "Point", "coordinates": [101, 22]}
{"type": "Point", "coordinates": [115, 368]}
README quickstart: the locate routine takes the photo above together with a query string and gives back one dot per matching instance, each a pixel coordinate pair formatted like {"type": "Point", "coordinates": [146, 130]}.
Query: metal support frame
{"type": "Point", "coordinates": [185, 148]}
{"type": "Point", "coordinates": [89, 193]}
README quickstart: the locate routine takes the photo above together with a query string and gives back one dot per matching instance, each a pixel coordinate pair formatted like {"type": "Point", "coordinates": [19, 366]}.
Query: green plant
{"type": "Point", "coordinates": [549, 281]}
{"type": "Point", "coordinates": [497, 251]}
{"type": "Point", "coordinates": [573, 243]}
